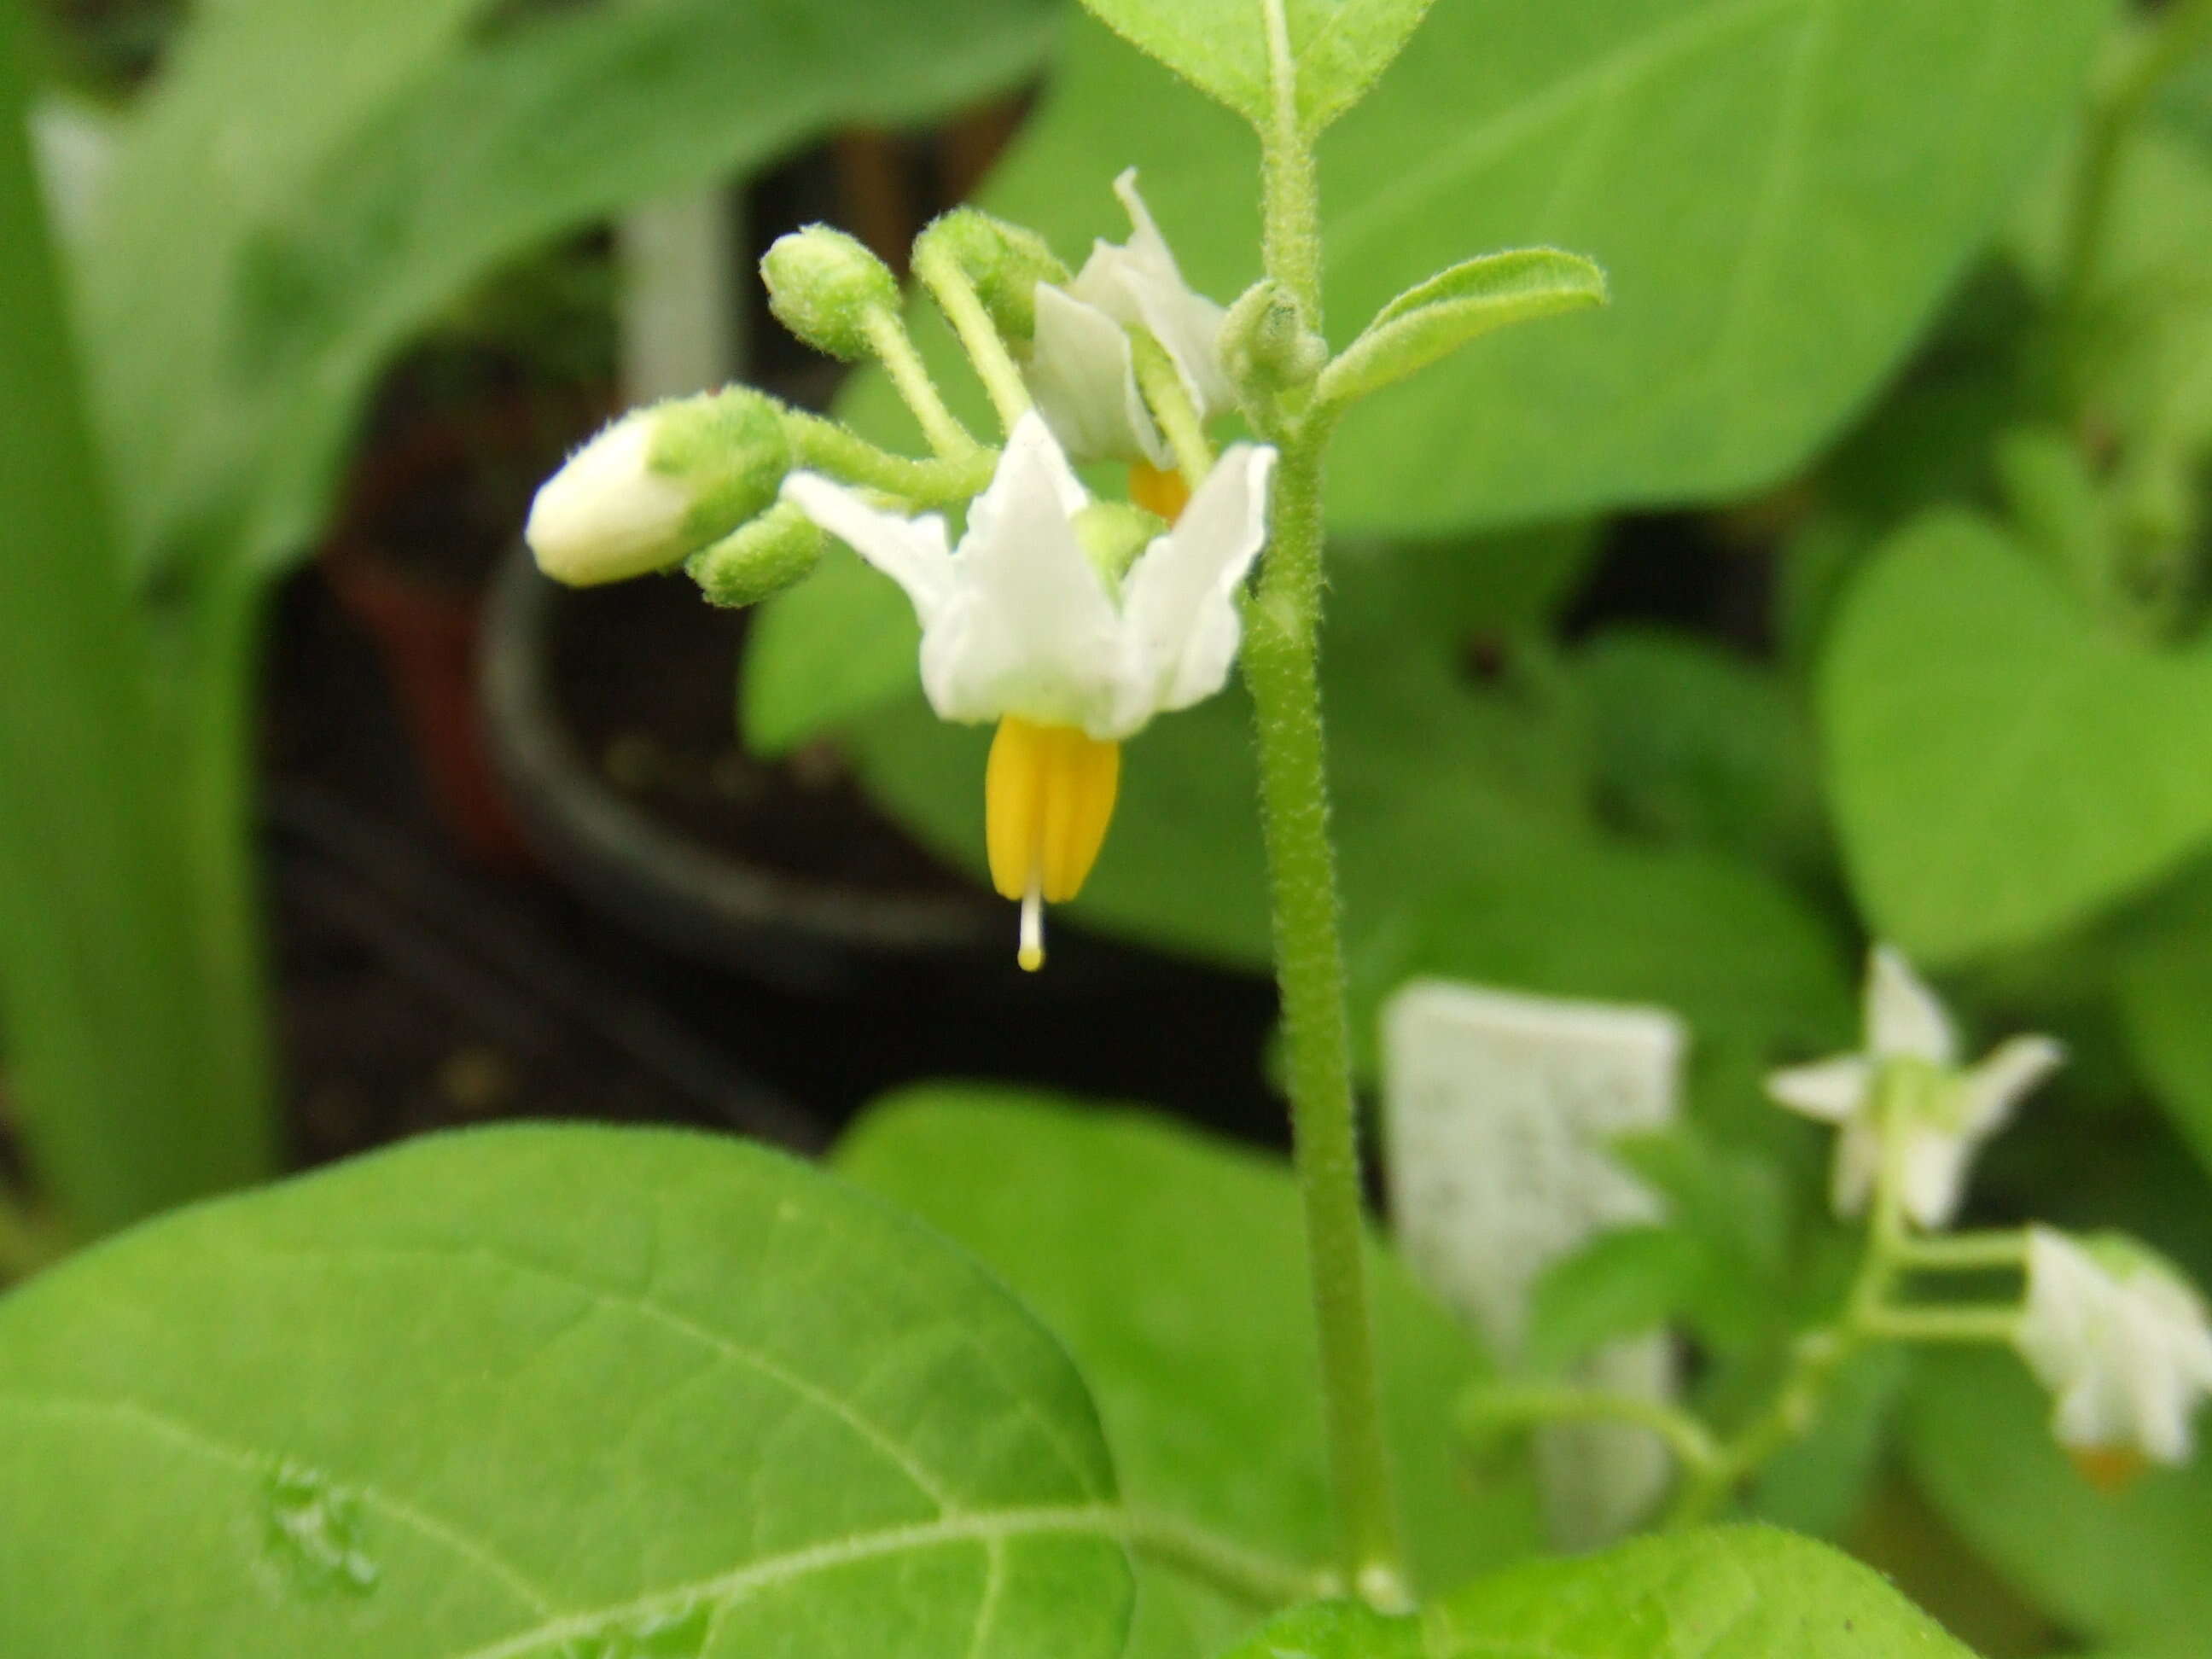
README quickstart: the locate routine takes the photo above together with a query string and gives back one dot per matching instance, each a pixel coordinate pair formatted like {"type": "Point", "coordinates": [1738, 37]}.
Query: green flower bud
{"type": "Point", "coordinates": [1004, 261]}
{"type": "Point", "coordinates": [658, 484]}
{"type": "Point", "coordinates": [1113, 534]}
{"type": "Point", "coordinates": [1268, 347]}
{"type": "Point", "coordinates": [824, 285]}
{"type": "Point", "coordinates": [759, 560]}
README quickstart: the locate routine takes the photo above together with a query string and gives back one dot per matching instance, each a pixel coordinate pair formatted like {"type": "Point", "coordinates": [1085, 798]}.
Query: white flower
{"type": "Point", "coordinates": [1020, 621]}
{"type": "Point", "coordinates": [2120, 1339]}
{"type": "Point", "coordinates": [1947, 1117]}
{"type": "Point", "coordinates": [1082, 370]}
{"type": "Point", "coordinates": [1019, 625]}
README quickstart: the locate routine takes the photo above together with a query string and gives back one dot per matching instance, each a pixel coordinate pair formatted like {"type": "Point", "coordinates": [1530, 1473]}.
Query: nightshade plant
{"type": "Point", "coordinates": [600, 1394]}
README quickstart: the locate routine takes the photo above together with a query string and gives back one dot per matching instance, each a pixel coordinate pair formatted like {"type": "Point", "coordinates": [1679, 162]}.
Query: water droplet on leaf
{"type": "Point", "coordinates": [315, 1530]}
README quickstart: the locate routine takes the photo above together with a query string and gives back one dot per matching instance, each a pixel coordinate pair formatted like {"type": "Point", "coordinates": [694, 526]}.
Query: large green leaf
{"type": "Point", "coordinates": [1330, 51]}
{"type": "Point", "coordinates": [546, 1393]}
{"type": "Point", "coordinates": [229, 393]}
{"type": "Point", "coordinates": [1729, 1593]}
{"type": "Point", "coordinates": [2002, 766]}
{"type": "Point", "coordinates": [1780, 192]}
{"type": "Point", "coordinates": [2165, 997]}
{"type": "Point", "coordinates": [1174, 1268]}
{"type": "Point", "coordinates": [2128, 1567]}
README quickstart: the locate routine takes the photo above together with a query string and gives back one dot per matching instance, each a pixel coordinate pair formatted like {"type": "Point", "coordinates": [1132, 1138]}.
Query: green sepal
{"type": "Point", "coordinates": [1431, 320]}
{"type": "Point", "coordinates": [758, 560]}
{"type": "Point", "coordinates": [729, 450]}
{"type": "Point", "coordinates": [1114, 533]}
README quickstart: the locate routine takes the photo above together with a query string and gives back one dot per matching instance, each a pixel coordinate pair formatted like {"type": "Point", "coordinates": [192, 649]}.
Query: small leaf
{"type": "Point", "coordinates": [2002, 766]}
{"type": "Point", "coordinates": [1729, 1593]}
{"type": "Point", "coordinates": [1623, 1283]}
{"type": "Point", "coordinates": [547, 1394]}
{"type": "Point", "coordinates": [1223, 47]}
{"type": "Point", "coordinates": [1430, 321]}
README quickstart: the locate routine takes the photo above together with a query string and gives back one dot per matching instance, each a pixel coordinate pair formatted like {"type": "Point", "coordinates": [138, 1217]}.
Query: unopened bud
{"type": "Point", "coordinates": [1006, 261]}
{"type": "Point", "coordinates": [758, 561]}
{"type": "Point", "coordinates": [1267, 346]}
{"type": "Point", "coordinates": [658, 484]}
{"type": "Point", "coordinates": [824, 285]}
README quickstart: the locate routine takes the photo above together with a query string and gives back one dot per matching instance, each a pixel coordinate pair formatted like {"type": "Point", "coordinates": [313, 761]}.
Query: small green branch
{"type": "Point", "coordinates": [895, 348]}
{"type": "Point", "coordinates": [1262, 1583]}
{"type": "Point", "coordinates": [1521, 1406]}
{"type": "Point", "coordinates": [826, 447]}
{"type": "Point", "coordinates": [1964, 1252]}
{"type": "Point", "coordinates": [957, 298]}
{"type": "Point", "coordinates": [1998, 1325]}
{"type": "Point", "coordinates": [1161, 382]}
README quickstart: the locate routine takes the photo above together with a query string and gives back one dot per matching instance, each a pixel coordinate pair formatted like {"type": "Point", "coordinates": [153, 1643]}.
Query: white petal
{"type": "Point", "coordinates": [1085, 381]}
{"type": "Point", "coordinates": [2066, 1294]}
{"type": "Point", "coordinates": [912, 552]}
{"type": "Point", "coordinates": [1903, 1018]}
{"type": "Point", "coordinates": [1033, 631]}
{"type": "Point", "coordinates": [1935, 1177]}
{"type": "Point", "coordinates": [1179, 605]}
{"type": "Point", "coordinates": [1830, 1090]}
{"type": "Point", "coordinates": [1140, 284]}
{"type": "Point", "coordinates": [606, 515]}
{"type": "Point", "coordinates": [1858, 1160]}
{"type": "Point", "coordinates": [2003, 1079]}
{"type": "Point", "coordinates": [2159, 1397]}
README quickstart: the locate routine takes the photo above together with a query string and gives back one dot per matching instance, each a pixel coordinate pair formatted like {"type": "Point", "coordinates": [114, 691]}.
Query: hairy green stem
{"type": "Point", "coordinates": [1281, 669]}
{"type": "Point", "coordinates": [1965, 1252]}
{"type": "Point", "coordinates": [1181, 423]}
{"type": "Point", "coordinates": [895, 348]}
{"type": "Point", "coordinates": [828, 447]}
{"type": "Point", "coordinates": [957, 298]}
{"type": "Point", "coordinates": [1260, 1582]}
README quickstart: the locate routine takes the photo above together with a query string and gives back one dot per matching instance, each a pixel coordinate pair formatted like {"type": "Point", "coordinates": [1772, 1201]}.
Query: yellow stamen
{"type": "Point", "coordinates": [2108, 1468]}
{"type": "Point", "coordinates": [1165, 495]}
{"type": "Point", "coordinates": [1048, 796]}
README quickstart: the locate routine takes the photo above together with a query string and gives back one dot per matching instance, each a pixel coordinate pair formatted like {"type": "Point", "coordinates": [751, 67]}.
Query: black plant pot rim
{"type": "Point", "coordinates": [769, 922]}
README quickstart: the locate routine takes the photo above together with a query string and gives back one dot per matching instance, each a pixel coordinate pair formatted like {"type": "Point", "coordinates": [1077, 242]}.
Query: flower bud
{"type": "Point", "coordinates": [824, 285]}
{"type": "Point", "coordinates": [1267, 347]}
{"type": "Point", "coordinates": [759, 560]}
{"type": "Point", "coordinates": [658, 484]}
{"type": "Point", "coordinates": [1004, 261]}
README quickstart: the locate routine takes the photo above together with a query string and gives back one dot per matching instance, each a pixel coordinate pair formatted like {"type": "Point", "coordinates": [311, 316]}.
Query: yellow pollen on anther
{"type": "Point", "coordinates": [1163, 494]}
{"type": "Point", "coordinates": [2108, 1468]}
{"type": "Point", "coordinates": [1048, 796]}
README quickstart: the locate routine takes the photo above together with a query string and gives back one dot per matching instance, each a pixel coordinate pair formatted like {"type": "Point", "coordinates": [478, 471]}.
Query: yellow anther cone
{"type": "Point", "coordinates": [1048, 795]}
{"type": "Point", "coordinates": [1163, 494]}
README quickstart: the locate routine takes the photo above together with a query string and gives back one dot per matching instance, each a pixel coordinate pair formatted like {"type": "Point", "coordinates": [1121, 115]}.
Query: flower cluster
{"type": "Point", "coordinates": [2116, 1333]}
{"type": "Point", "coordinates": [1070, 622]}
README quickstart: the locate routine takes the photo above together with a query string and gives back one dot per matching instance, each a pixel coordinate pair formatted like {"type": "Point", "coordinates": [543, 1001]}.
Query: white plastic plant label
{"type": "Point", "coordinates": [1498, 1108]}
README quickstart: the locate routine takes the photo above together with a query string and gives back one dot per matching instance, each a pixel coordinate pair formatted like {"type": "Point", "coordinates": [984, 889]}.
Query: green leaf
{"type": "Point", "coordinates": [1781, 194]}
{"type": "Point", "coordinates": [1624, 1282]}
{"type": "Point", "coordinates": [2126, 1567]}
{"type": "Point", "coordinates": [1729, 1593]}
{"type": "Point", "coordinates": [1430, 321]}
{"type": "Point", "coordinates": [1173, 1268]}
{"type": "Point", "coordinates": [1227, 49]}
{"type": "Point", "coordinates": [2002, 767]}
{"type": "Point", "coordinates": [236, 350]}
{"type": "Point", "coordinates": [792, 688]}
{"type": "Point", "coordinates": [542, 1394]}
